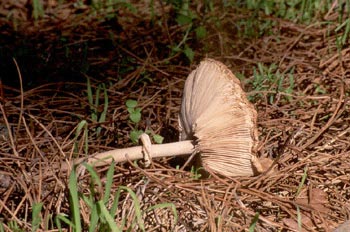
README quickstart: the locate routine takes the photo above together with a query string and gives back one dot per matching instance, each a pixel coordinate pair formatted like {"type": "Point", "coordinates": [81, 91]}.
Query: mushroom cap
{"type": "Point", "coordinates": [217, 116]}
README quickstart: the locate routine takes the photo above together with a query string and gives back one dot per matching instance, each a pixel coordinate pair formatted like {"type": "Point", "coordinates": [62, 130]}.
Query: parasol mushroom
{"type": "Point", "coordinates": [217, 122]}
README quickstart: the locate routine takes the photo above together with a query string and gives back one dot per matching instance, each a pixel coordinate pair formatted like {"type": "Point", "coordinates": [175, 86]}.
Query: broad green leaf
{"type": "Point", "coordinates": [135, 117]}
{"type": "Point", "coordinates": [36, 216]}
{"type": "Point", "coordinates": [131, 103]}
{"type": "Point", "coordinates": [130, 110]}
{"type": "Point", "coordinates": [134, 135]}
{"type": "Point", "coordinates": [183, 19]}
{"type": "Point", "coordinates": [189, 53]}
{"type": "Point", "coordinates": [158, 139]}
{"type": "Point", "coordinates": [201, 32]}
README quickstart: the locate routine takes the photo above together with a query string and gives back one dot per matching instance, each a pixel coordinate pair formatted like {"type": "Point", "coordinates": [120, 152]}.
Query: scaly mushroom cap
{"type": "Point", "coordinates": [216, 114]}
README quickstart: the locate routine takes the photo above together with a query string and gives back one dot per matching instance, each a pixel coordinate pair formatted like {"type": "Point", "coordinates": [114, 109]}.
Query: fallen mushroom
{"type": "Point", "coordinates": [217, 122]}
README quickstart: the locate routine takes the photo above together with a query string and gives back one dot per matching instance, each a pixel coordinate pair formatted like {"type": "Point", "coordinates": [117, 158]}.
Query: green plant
{"type": "Point", "coordinates": [185, 18]}
{"type": "Point", "coordinates": [135, 118]}
{"type": "Point", "coordinates": [269, 79]}
{"type": "Point", "coordinates": [36, 215]}
{"type": "Point", "coordinates": [342, 38]}
{"type": "Point", "coordinates": [254, 222]}
{"type": "Point", "coordinates": [109, 8]}
{"type": "Point", "coordinates": [12, 225]}
{"type": "Point", "coordinates": [258, 14]}
{"type": "Point", "coordinates": [343, 29]}
{"type": "Point", "coordinates": [82, 128]}
{"type": "Point", "coordinates": [103, 214]}
{"type": "Point", "coordinates": [301, 11]}
{"type": "Point", "coordinates": [38, 10]}
{"type": "Point", "coordinates": [195, 172]}
{"type": "Point", "coordinates": [299, 220]}
{"type": "Point", "coordinates": [36, 220]}
{"type": "Point", "coordinates": [302, 182]}
{"type": "Point", "coordinates": [255, 27]}
{"type": "Point", "coordinates": [188, 20]}
{"type": "Point", "coordinates": [96, 116]}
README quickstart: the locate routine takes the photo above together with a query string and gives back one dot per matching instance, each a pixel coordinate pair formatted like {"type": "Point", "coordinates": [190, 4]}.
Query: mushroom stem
{"type": "Point", "coordinates": [134, 153]}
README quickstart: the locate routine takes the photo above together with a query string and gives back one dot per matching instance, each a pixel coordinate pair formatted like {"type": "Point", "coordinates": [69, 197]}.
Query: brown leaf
{"type": "Point", "coordinates": [316, 200]}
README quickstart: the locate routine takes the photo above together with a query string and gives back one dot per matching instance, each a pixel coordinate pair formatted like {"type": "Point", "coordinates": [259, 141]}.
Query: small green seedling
{"type": "Point", "coordinates": [158, 138]}
{"type": "Point", "coordinates": [94, 104]}
{"type": "Point", "coordinates": [187, 19]}
{"type": "Point", "coordinates": [270, 79]}
{"type": "Point", "coordinates": [135, 117]}
{"type": "Point", "coordinates": [195, 172]}
{"type": "Point", "coordinates": [134, 111]}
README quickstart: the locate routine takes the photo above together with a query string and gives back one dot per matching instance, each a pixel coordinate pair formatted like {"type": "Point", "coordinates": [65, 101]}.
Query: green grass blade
{"type": "Point", "coordinates": [91, 100]}
{"type": "Point", "coordinates": [86, 143]}
{"type": "Point", "coordinates": [94, 176]}
{"type": "Point", "coordinates": [38, 10]}
{"type": "Point", "coordinates": [254, 222]}
{"type": "Point", "coordinates": [97, 99]}
{"type": "Point", "coordinates": [88, 200]}
{"type": "Point", "coordinates": [137, 207]}
{"type": "Point", "coordinates": [110, 220]}
{"type": "Point", "coordinates": [114, 206]}
{"type": "Point", "coordinates": [36, 217]}
{"type": "Point", "coordinates": [166, 205]}
{"type": "Point", "coordinates": [63, 218]}
{"type": "Point", "coordinates": [299, 218]}
{"type": "Point", "coordinates": [94, 218]}
{"type": "Point", "coordinates": [74, 200]}
{"type": "Point", "coordinates": [2, 227]}
{"type": "Point", "coordinates": [81, 125]}
{"type": "Point", "coordinates": [105, 109]}
{"type": "Point", "coordinates": [109, 182]}
{"type": "Point", "coordinates": [302, 182]}
{"type": "Point", "coordinates": [347, 30]}
{"type": "Point", "coordinates": [89, 92]}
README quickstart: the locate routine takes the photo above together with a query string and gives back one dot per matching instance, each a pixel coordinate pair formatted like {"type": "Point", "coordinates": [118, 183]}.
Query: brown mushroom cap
{"type": "Point", "coordinates": [216, 114]}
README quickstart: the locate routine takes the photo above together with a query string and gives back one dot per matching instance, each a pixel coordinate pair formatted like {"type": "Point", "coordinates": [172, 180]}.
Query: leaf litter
{"type": "Point", "coordinates": [306, 127]}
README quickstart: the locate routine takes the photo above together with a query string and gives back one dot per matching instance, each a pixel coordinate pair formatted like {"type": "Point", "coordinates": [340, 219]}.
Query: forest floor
{"type": "Point", "coordinates": [54, 68]}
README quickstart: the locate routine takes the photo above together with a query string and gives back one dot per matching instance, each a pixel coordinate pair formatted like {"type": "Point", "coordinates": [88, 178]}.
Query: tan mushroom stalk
{"type": "Point", "coordinates": [216, 120]}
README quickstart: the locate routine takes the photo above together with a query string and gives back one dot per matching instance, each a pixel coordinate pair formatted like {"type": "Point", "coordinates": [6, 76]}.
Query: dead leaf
{"type": "Point", "coordinates": [315, 199]}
